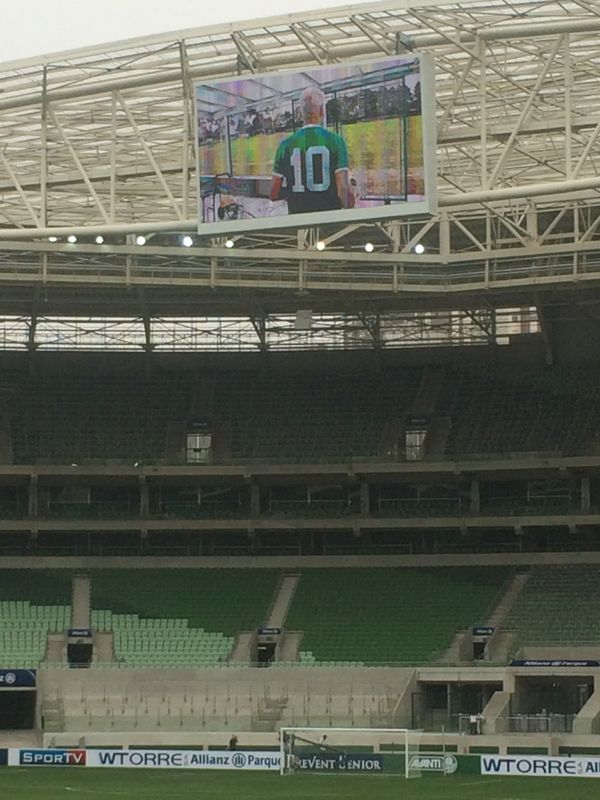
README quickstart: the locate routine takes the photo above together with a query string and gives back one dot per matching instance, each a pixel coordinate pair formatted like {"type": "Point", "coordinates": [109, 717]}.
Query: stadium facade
{"type": "Point", "coordinates": [372, 469]}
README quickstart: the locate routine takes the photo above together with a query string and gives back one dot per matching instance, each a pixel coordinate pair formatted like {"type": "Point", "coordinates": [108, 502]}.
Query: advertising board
{"type": "Point", "coordinates": [324, 144]}
{"type": "Point", "coordinates": [185, 759]}
{"type": "Point", "coordinates": [542, 766]}
{"type": "Point", "coordinates": [162, 758]}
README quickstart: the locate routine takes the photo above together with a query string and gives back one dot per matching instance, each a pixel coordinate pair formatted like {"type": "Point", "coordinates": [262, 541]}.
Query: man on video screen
{"type": "Point", "coordinates": [311, 170]}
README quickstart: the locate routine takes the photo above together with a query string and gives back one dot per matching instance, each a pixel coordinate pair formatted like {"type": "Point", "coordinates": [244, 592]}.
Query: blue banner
{"type": "Point", "coordinates": [79, 633]}
{"type": "Point", "coordinates": [483, 630]}
{"type": "Point", "coordinates": [554, 662]}
{"type": "Point", "coordinates": [16, 678]}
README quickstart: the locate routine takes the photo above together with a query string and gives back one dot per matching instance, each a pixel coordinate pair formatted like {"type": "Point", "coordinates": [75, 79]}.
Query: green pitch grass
{"type": "Point", "coordinates": [72, 783]}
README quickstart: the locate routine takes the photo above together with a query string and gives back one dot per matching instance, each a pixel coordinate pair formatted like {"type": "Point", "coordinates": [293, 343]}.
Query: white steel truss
{"type": "Point", "coordinates": [269, 332]}
{"type": "Point", "coordinates": [101, 141]}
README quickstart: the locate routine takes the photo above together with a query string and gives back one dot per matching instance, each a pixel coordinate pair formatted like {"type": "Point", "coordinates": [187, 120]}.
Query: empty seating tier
{"type": "Point", "coordinates": [527, 410]}
{"type": "Point", "coordinates": [38, 587]}
{"type": "Point", "coordinates": [558, 605]}
{"type": "Point", "coordinates": [179, 617]}
{"type": "Point", "coordinates": [32, 603]}
{"type": "Point", "coordinates": [93, 417]}
{"type": "Point", "coordinates": [389, 615]}
{"type": "Point", "coordinates": [298, 416]}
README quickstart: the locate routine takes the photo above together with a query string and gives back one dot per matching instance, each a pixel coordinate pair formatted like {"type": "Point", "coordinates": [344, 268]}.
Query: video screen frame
{"type": "Point", "coordinates": [238, 139]}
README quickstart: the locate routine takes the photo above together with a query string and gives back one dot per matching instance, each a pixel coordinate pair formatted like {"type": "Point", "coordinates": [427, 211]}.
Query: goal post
{"type": "Point", "coordinates": [384, 751]}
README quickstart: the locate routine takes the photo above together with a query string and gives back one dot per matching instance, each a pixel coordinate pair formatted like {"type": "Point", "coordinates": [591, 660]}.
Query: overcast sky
{"type": "Point", "coordinates": [36, 27]}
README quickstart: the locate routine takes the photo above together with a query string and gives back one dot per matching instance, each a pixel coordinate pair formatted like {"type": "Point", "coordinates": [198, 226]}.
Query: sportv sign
{"type": "Point", "coordinates": [47, 758]}
{"type": "Point", "coordinates": [541, 766]}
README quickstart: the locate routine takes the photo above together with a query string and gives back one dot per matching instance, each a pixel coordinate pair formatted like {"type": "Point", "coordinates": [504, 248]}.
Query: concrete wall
{"type": "Point", "coordinates": [229, 698]}
{"type": "Point", "coordinates": [402, 712]}
{"type": "Point", "coordinates": [588, 719]}
{"type": "Point", "coordinates": [104, 650]}
{"type": "Point", "coordinates": [204, 706]}
{"type": "Point", "coordinates": [495, 713]}
{"type": "Point", "coordinates": [285, 562]}
{"type": "Point", "coordinates": [561, 651]}
{"type": "Point", "coordinates": [463, 674]}
{"type": "Point", "coordinates": [551, 744]}
{"type": "Point", "coordinates": [522, 350]}
{"type": "Point", "coordinates": [81, 601]}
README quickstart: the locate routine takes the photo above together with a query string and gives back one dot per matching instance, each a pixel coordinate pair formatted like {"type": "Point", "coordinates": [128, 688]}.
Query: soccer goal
{"type": "Point", "coordinates": [383, 751]}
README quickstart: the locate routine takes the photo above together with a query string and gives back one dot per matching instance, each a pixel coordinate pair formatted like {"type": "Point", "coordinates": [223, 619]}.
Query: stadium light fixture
{"type": "Point", "coordinates": [229, 243]}
{"type": "Point", "coordinates": [369, 247]}
{"type": "Point", "coordinates": [71, 239]}
{"type": "Point", "coordinates": [419, 249]}
{"type": "Point", "coordinates": [53, 238]}
{"type": "Point", "coordinates": [141, 240]}
{"type": "Point", "coordinates": [320, 245]}
{"type": "Point", "coordinates": [187, 241]}
{"type": "Point", "coordinates": [99, 239]}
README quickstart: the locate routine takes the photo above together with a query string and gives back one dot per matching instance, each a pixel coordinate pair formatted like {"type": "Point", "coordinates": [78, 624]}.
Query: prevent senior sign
{"type": "Point", "coordinates": [542, 766]}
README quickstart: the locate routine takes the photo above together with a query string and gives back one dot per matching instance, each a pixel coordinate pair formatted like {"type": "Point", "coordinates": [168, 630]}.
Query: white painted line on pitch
{"type": "Point", "coordinates": [227, 791]}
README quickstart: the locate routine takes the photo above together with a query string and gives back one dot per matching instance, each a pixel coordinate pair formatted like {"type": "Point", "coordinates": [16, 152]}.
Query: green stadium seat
{"type": "Point", "coordinates": [189, 617]}
{"type": "Point", "coordinates": [559, 605]}
{"type": "Point", "coordinates": [363, 616]}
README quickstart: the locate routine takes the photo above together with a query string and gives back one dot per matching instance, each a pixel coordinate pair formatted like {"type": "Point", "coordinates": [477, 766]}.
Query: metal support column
{"type": "Point", "coordinates": [475, 497]}
{"type": "Point", "coordinates": [33, 498]}
{"type": "Point", "coordinates": [586, 501]}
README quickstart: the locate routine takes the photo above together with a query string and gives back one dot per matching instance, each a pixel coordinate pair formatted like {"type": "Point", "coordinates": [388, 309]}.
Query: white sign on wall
{"type": "Point", "coordinates": [542, 766]}
{"type": "Point", "coordinates": [185, 759]}
{"type": "Point", "coordinates": [164, 759]}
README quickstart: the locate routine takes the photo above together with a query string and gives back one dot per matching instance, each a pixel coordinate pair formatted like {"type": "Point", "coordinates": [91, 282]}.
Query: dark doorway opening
{"type": "Point", "coordinates": [17, 710]}
{"type": "Point", "coordinates": [479, 650]}
{"type": "Point", "coordinates": [265, 653]}
{"type": "Point", "coordinates": [79, 654]}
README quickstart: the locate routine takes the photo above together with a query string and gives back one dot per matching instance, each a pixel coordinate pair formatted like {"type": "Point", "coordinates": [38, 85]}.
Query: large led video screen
{"type": "Point", "coordinates": [337, 143]}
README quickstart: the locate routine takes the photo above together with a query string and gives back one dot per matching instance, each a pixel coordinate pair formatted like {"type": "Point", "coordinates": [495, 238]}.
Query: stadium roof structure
{"type": "Point", "coordinates": [101, 141]}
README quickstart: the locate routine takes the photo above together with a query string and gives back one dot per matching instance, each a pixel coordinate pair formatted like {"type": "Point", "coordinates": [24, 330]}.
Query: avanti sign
{"type": "Point", "coordinates": [424, 763]}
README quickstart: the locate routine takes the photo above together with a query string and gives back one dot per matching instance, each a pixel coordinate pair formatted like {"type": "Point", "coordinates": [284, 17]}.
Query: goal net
{"type": "Point", "coordinates": [383, 751]}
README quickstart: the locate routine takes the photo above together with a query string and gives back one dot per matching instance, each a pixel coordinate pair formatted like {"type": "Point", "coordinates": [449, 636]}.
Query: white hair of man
{"type": "Point", "coordinates": [312, 103]}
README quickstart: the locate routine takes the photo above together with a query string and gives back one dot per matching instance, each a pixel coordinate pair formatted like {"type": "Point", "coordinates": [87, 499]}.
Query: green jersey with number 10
{"type": "Point", "coordinates": [308, 161]}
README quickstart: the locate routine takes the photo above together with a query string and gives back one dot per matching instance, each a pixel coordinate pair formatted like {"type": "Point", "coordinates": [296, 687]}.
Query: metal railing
{"type": "Point", "coordinates": [517, 723]}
